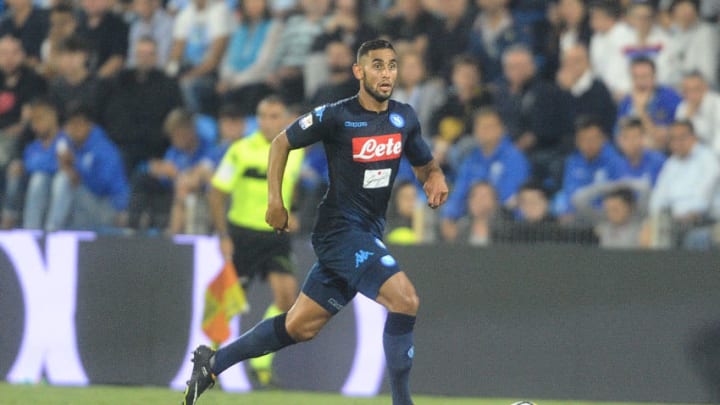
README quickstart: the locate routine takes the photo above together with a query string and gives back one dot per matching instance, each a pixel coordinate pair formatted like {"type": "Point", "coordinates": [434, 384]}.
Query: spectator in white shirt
{"type": "Point", "coordinates": [688, 179]}
{"type": "Point", "coordinates": [709, 9]}
{"type": "Point", "coordinates": [693, 43]}
{"type": "Point", "coordinates": [200, 36]}
{"type": "Point", "coordinates": [648, 39]}
{"type": "Point", "coordinates": [606, 47]}
{"type": "Point", "coordinates": [701, 105]}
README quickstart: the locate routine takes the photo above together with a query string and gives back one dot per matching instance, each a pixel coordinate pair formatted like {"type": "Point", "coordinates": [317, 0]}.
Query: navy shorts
{"type": "Point", "coordinates": [348, 262]}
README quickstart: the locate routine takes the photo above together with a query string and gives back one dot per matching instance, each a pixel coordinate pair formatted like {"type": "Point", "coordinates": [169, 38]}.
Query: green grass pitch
{"type": "Point", "coordinates": [102, 395]}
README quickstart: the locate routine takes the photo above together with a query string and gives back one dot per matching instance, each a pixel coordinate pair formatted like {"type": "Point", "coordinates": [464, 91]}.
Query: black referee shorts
{"type": "Point", "coordinates": [258, 253]}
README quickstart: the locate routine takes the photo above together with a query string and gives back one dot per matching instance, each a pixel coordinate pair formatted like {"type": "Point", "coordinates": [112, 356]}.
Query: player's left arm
{"type": "Point", "coordinates": [433, 180]}
{"type": "Point", "coordinates": [429, 174]}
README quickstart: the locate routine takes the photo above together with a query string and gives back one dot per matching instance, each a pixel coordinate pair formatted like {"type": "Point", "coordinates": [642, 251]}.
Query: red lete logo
{"type": "Point", "coordinates": [376, 148]}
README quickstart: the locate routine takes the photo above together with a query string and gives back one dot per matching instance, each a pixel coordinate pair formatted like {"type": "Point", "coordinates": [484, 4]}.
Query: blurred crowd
{"type": "Point", "coordinates": [593, 122]}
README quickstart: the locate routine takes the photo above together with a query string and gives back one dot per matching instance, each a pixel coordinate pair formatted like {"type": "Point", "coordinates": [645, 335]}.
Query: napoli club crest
{"type": "Point", "coordinates": [397, 120]}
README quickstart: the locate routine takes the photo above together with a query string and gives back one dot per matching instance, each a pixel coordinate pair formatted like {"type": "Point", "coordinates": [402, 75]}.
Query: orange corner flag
{"type": "Point", "coordinates": [224, 298]}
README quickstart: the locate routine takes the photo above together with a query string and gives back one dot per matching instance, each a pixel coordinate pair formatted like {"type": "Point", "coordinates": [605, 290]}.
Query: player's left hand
{"type": "Point", "coordinates": [436, 190]}
{"type": "Point", "coordinates": [277, 217]}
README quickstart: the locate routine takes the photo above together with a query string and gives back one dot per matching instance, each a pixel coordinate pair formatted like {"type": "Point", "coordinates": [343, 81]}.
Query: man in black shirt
{"type": "Point", "coordinates": [134, 104]}
{"type": "Point", "coordinates": [27, 23]}
{"type": "Point", "coordinates": [536, 113]}
{"type": "Point", "coordinates": [19, 85]}
{"type": "Point", "coordinates": [75, 84]}
{"type": "Point", "coordinates": [107, 35]}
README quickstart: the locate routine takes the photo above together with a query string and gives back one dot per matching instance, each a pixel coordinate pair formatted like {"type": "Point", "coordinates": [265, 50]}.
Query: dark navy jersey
{"type": "Point", "coordinates": [363, 150]}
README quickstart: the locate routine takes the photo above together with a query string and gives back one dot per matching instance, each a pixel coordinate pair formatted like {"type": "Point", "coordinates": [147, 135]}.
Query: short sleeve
{"type": "Point", "coordinates": [226, 175]}
{"type": "Point", "coordinates": [181, 27]}
{"type": "Point", "coordinates": [220, 21]}
{"type": "Point", "coordinates": [416, 150]}
{"type": "Point", "coordinates": [309, 128]}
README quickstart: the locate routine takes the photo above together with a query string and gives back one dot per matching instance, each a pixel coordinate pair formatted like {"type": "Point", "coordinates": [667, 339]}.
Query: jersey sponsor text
{"type": "Point", "coordinates": [377, 148]}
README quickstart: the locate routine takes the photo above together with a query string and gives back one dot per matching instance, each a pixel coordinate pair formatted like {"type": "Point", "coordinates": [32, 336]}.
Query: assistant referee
{"type": "Point", "coordinates": [254, 247]}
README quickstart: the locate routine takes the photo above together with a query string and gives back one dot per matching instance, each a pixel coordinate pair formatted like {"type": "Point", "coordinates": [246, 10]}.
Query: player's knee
{"type": "Point", "coordinates": [413, 303]}
{"type": "Point", "coordinates": [406, 303]}
{"type": "Point", "coordinates": [301, 332]}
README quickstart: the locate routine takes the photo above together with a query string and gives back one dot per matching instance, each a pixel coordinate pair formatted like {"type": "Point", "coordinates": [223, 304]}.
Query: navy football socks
{"type": "Point", "coordinates": [266, 337]}
{"type": "Point", "coordinates": [399, 352]}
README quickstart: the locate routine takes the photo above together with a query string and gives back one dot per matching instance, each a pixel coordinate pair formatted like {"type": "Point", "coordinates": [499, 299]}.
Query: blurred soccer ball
{"type": "Point", "coordinates": [523, 403]}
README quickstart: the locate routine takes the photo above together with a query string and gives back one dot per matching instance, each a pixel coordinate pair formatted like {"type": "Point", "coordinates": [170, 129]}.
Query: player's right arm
{"type": "Point", "coordinates": [306, 130]}
{"type": "Point", "coordinates": [276, 215]}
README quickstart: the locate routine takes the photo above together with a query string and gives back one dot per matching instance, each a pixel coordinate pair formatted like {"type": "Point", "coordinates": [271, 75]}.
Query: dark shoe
{"type": "Point", "coordinates": [202, 377]}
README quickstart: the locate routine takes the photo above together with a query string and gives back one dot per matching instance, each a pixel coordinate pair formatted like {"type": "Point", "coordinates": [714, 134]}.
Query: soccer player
{"type": "Point", "coordinates": [364, 138]}
{"type": "Point", "coordinates": [245, 238]}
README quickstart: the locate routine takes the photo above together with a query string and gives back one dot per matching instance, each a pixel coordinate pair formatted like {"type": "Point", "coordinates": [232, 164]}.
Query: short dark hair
{"type": "Point", "coordinates": [643, 60]}
{"type": "Point", "coordinates": [63, 8]}
{"type": "Point", "coordinates": [626, 194]}
{"type": "Point", "coordinates": [467, 60]}
{"type": "Point", "coordinates": [588, 121]}
{"type": "Point", "coordinates": [483, 111]}
{"type": "Point", "coordinates": [535, 185]}
{"type": "Point", "coordinates": [74, 43]}
{"type": "Point", "coordinates": [44, 102]}
{"type": "Point", "coordinates": [80, 110]}
{"type": "Point", "coordinates": [147, 38]}
{"type": "Point", "coordinates": [632, 122]}
{"type": "Point", "coordinates": [274, 98]}
{"type": "Point", "coordinates": [609, 7]}
{"type": "Point", "coordinates": [643, 3]}
{"type": "Point", "coordinates": [230, 110]}
{"type": "Point", "coordinates": [684, 123]}
{"type": "Point", "coordinates": [695, 74]}
{"type": "Point", "coordinates": [372, 45]}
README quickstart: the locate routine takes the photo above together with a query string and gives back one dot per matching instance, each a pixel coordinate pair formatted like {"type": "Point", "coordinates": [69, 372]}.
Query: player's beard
{"type": "Point", "coordinates": [375, 94]}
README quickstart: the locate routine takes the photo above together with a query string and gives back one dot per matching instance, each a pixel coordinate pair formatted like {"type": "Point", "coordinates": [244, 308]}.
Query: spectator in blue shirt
{"type": "Point", "coordinates": [190, 184]}
{"type": "Point", "coordinates": [494, 160]}
{"type": "Point", "coordinates": [639, 162]}
{"type": "Point", "coordinates": [33, 173]}
{"type": "Point", "coordinates": [594, 162]}
{"type": "Point", "coordinates": [153, 189]}
{"type": "Point", "coordinates": [90, 190]}
{"type": "Point", "coordinates": [655, 105]}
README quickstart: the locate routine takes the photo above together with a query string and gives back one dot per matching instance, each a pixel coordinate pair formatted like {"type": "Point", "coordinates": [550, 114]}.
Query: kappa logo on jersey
{"type": "Point", "coordinates": [361, 256]}
{"type": "Point", "coordinates": [356, 124]}
{"type": "Point", "coordinates": [377, 148]}
{"type": "Point", "coordinates": [319, 111]}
